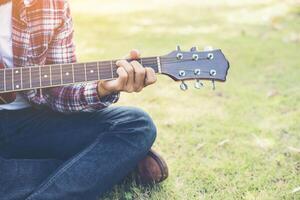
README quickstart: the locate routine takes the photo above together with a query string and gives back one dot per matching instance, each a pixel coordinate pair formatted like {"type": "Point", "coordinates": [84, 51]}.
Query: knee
{"type": "Point", "coordinates": [143, 124]}
{"type": "Point", "coordinates": [132, 124]}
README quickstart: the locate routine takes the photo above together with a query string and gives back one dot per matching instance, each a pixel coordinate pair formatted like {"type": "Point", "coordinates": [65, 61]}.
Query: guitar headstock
{"type": "Point", "coordinates": [195, 65]}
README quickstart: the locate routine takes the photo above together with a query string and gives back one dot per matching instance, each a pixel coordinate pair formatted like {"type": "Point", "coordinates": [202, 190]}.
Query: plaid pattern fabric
{"type": "Point", "coordinates": [42, 33]}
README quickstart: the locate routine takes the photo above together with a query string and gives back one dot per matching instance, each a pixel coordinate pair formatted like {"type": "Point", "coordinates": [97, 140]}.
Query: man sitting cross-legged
{"type": "Point", "coordinates": [67, 142]}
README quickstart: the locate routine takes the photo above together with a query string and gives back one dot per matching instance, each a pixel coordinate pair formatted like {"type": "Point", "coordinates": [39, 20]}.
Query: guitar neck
{"type": "Point", "coordinates": [26, 78]}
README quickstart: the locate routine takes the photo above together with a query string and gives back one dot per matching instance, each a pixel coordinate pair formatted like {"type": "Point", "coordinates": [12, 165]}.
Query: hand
{"type": "Point", "coordinates": [133, 77]}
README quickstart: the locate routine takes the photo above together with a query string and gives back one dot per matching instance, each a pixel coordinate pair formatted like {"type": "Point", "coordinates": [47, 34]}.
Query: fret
{"type": "Point", "coordinates": [114, 70]}
{"type": "Point", "coordinates": [98, 68]}
{"type": "Point", "coordinates": [8, 79]}
{"type": "Point", "coordinates": [105, 70]}
{"type": "Point", "coordinates": [73, 72]}
{"type": "Point", "coordinates": [56, 74]}
{"type": "Point", "coordinates": [35, 77]}
{"type": "Point", "coordinates": [85, 76]}
{"type": "Point", "coordinates": [30, 77]}
{"type": "Point", "coordinates": [25, 77]}
{"type": "Point", "coordinates": [2, 78]}
{"type": "Point", "coordinates": [50, 74]}
{"type": "Point", "coordinates": [111, 68]}
{"type": "Point", "coordinates": [79, 73]}
{"type": "Point", "coordinates": [17, 79]}
{"type": "Point", "coordinates": [40, 76]}
{"type": "Point", "coordinates": [45, 76]}
{"type": "Point", "coordinates": [61, 74]}
{"type": "Point", "coordinates": [92, 71]}
{"type": "Point", "coordinates": [67, 74]}
{"type": "Point", "coordinates": [4, 74]}
{"type": "Point", "coordinates": [21, 78]}
{"type": "Point", "coordinates": [12, 74]}
{"type": "Point", "coordinates": [115, 75]}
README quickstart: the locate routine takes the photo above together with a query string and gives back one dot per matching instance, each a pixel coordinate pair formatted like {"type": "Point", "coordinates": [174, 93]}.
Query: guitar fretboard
{"type": "Point", "coordinates": [25, 78]}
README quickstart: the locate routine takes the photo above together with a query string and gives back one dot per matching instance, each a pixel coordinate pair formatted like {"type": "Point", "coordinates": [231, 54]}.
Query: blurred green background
{"type": "Point", "coordinates": [241, 141]}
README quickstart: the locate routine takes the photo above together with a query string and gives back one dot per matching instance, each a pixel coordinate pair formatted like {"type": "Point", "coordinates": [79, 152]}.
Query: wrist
{"type": "Point", "coordinates": [102, 92]}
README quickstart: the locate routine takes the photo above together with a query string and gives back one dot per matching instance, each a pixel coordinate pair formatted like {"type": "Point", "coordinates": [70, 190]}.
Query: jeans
{"type": "Point", "coordinates": [45, 155]}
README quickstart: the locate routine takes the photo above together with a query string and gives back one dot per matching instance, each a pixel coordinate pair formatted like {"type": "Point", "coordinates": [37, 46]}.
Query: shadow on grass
{"type": "Point", "coordinates": [129, 189]}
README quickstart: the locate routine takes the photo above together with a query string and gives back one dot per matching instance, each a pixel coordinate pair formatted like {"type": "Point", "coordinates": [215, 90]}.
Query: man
{"type": "Point", "coordinates": [47, 154]}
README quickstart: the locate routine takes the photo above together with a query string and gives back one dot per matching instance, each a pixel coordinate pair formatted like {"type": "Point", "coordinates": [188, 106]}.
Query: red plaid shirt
{"type": "Point", "coordinates": [42, 33]}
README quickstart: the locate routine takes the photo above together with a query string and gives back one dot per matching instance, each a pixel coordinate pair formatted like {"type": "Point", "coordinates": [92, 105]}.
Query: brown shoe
{"type": "Point", "coordinates": [152, 169]}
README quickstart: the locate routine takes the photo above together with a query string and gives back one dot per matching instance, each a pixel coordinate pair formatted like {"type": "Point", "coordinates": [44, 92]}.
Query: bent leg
{"type": "Point", "coordinates": [19, 177]}
{"type": "Point", "coordinates": [104, 146]}
{"type": "Point", "coordinates": [106, 161]}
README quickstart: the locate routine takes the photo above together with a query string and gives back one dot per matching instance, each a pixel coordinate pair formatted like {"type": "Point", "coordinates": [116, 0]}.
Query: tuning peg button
{"type": "Point", "coordinates": [197, 72]}
{"type": "Point", "coordinates": [213, 72]}
{"type": "Point", "coordinates": [181, 73]}
{"type": "Point", "coordinates": [179, 56]}
{"type": "Point", "coordinates": [195, 57]}
{"type": "Point", "coordinates": [183, 86]}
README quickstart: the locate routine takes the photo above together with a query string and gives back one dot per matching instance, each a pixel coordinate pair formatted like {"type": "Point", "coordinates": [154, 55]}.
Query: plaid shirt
{"type": "Point", "coordinates": [42, 33]}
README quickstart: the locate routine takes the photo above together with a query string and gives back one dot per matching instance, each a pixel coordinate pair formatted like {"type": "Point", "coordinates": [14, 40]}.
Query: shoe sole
{"type": "Point", "coordinates": [162, 165]}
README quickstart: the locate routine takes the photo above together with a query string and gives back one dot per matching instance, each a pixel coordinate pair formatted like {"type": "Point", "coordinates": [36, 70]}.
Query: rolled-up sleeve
{"type": "Point", "coordinates": [73, 98]}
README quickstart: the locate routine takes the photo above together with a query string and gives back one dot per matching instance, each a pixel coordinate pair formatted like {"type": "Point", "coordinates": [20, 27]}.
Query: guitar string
{"type": "Point", "coordinates": [64, 84]}
{"type": "Point", "coordinates": [108, 70]}
{"type": "Point", "coordinates": [145, 61]}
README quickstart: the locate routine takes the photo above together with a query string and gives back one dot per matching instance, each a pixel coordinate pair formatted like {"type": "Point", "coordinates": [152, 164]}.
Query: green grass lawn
{"type": "Point", "coordinates": [238, 142]}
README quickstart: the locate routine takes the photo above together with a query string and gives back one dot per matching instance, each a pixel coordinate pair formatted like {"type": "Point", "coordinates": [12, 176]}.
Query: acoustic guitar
{"type": "Point", "coordinates": [179, 65]}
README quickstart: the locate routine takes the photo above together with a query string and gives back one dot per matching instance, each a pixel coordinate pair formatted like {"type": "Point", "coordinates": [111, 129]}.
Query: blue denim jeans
{"type": "Point", "coordinates": [45, 155]}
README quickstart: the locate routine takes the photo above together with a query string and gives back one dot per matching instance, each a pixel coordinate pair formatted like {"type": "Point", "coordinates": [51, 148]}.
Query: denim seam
{"type": "Point", "coordinates": [62, 170]}
{"type": "Point", "coordinates": [2, 130]}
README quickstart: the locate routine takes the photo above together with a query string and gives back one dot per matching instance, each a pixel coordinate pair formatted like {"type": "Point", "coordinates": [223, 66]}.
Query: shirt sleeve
{"type": "Point", "coordinates": [73, 98]}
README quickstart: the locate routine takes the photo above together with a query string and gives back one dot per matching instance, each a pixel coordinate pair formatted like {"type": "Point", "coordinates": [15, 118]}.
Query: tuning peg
{"type": "Point", "coordinates": [193, 49]}
{"type": "Point", "coordinates": [178, 48]}
{"type": "Point", "coordinates": [213, 84]}
{"type": "Point", "coordinates": [198, 84]}
{"type": "Point", "coordinates": [183, 86]}
{"type": "Point", "coordinates": [208, 48]}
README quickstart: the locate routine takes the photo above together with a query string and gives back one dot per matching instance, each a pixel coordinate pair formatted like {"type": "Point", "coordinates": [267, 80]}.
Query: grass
{"type": "Point", "coordinates": [233, 143]}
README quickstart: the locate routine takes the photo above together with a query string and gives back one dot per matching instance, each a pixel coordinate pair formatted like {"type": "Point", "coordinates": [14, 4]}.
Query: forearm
{"type": "Point", "coordinates": [73, 98]}
{"type": "Point", "coordinates": [102, 92]}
